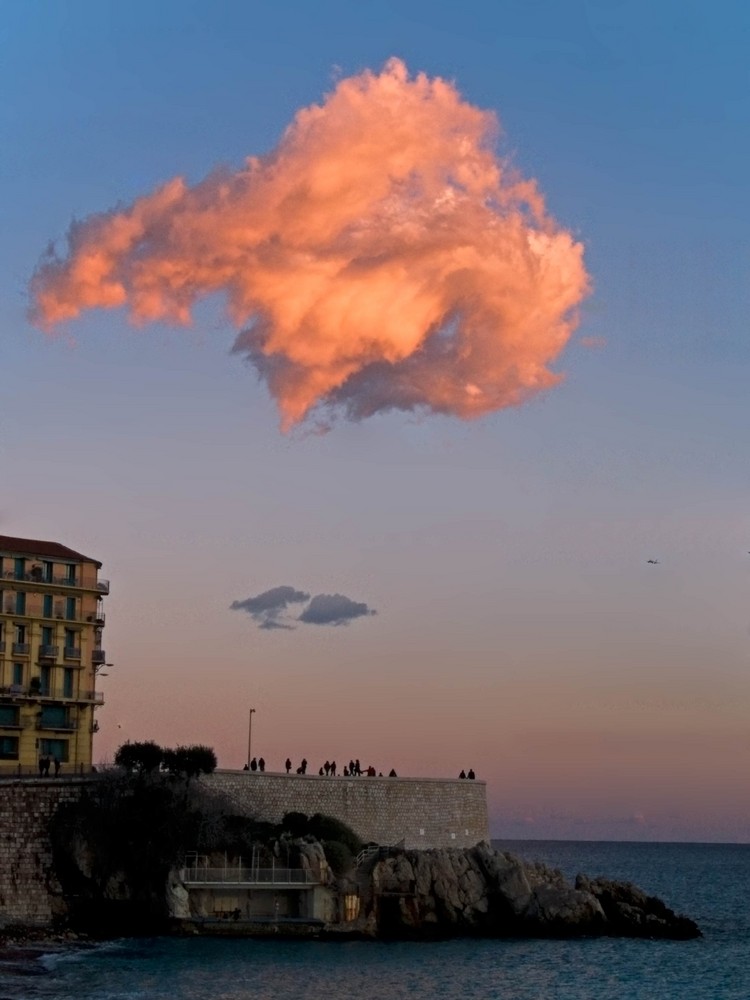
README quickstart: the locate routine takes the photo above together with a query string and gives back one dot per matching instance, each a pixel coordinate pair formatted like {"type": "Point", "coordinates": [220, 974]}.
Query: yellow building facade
{"type": "Point", "coordinates": [51, 622]}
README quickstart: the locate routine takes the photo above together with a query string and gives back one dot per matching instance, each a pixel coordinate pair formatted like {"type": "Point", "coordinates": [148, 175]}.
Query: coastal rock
{"type": "Point", "coordinates": [632, 912]}
{"type": "Point", "coordinates": [482, 892]}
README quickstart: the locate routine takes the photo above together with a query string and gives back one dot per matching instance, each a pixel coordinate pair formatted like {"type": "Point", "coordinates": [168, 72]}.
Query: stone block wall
{"type": "Point", "coordinates": [29, 889]}
{"type": "Point", "coordinates": [424, 812]}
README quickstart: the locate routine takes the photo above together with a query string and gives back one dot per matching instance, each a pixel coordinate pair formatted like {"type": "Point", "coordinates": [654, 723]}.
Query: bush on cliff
{"type": "Point", "coordinates": [340, 842]}
{"type": "Point", "coordinates": [328, 829]}
{"type": "Point", "coordinates": [146, 757]}
{"type": "Point", "coordinates": [190, 761]}
{"type": "Point", "coordinates": [338, 856]}
{"type": "Point", "coordinates": [140, 758]}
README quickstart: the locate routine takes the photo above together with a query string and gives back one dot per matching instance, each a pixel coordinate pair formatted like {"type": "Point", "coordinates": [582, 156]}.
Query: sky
{"type": "Point", "coordinates": [488, 543]}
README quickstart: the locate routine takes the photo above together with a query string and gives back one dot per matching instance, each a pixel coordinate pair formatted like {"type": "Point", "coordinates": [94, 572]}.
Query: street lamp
{"type": "Point", "coordinates": [250, 737]}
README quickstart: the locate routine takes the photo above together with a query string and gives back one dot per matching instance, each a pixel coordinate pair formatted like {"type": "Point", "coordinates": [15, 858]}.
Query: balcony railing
{"type": "Point", "coordinates": [20, 649]}
{"type": "Point", "coordinates": [15, 690]}
{"type": "Point", "coordinates": [98, 656]}
{"type": "Point", "coordinates": [102, 586]}
{"type": "Point", "coordinates": [236, 875]}
{"type": "Point", "coordinates": [19, 723]}
{"type": "Point", "coordinates": [97, 697]}
{"type": "Point", "coordinates": [72, 653]}
{"type": "Point", "coordinates": [48, 652]}
{"type": "Point", "coordinates": [97, 618]}
{"type": "Point", "coordinates": [66, 725]}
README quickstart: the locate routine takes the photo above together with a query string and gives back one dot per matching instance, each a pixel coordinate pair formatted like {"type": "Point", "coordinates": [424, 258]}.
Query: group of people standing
{"type": "Point", "coordinates": [45, 763]}
{"type": "Point", "coordinates": [351, 770]}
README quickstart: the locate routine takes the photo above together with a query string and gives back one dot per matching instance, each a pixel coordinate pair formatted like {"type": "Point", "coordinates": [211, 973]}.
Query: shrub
{"type": "Point", "coordinates": [327, 828]}
{"type": "Point", "coordinates": [296, 823]}
{"type": "Point", "coordinates": [190, 761]}
{"type": "Point", "coordinates": [140, 757]}
{"type": "Point", "coordinates": [338, 856]}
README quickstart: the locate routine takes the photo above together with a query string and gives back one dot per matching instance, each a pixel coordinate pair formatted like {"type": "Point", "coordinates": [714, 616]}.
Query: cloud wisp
{"type": "Point", "coordinates": [270, 609]}
{"type": "Point", "coordinates": [383, 256]}
{"type": "Point", "coordinates": [333, 609]}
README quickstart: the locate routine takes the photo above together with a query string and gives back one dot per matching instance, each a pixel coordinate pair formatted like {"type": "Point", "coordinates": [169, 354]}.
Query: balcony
{"type": "Point", "coordinates": [20, 649]}
{"type": "Point", "coordinates": [72, 653]}
{"type": "Point", "coordinates": [97, 618]}
{"type": "Point", "coordinates": [98, 657]}
{"type": "Point", "coordinates": [18, 724]}
{"type": "Point", "coordinates": [39, 577]}
{"type": "Point", "coordinates": [95, 697]}
{"type": "Point", "coordinates": [59, 725]}
{"type": "Point", "coordinates": [236, 875]}
{"type": "Point", "coordinates": [48, 652]}
{"type": "Point", "coordinates": [14, 691]}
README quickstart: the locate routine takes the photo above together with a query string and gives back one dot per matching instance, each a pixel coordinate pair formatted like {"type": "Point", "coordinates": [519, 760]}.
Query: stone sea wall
{"type": "Point", "coordinates": [423, 812]}
{"type": "Point", "coordinates": [30, 893]}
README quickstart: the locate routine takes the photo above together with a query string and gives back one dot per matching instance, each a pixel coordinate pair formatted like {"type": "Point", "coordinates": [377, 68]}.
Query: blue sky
{"type": "Point", "coordinates": [519, 629]}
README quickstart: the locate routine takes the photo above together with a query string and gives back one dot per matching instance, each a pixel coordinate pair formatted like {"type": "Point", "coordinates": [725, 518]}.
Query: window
{"type": "Point", "coordinates": [70, 573]}
{"type": "Point", "coordinates": [19, 568]}
{"type": "Point", "coordinates": [18, 674]}
{"type": "Point", "coordinates": [8, 715]}
{"type": "Point", "coordinates": [20, 603]}
{"type": "Point", "coordinates": [20, 633]}
{"type": "Point", "coordinates": [8, 748]}
{"type": "Point", "coordinates": [54, 717]}
{"type": "Point", "coordinates": [70, 608]}
{"type": "Point", "coordinates": [47, 606]}
{"type": "Point", "coordinates": [48, 636]}
{"type": "Point", "coordinates": [68, 675]}
{"type": "Point", "coordinates": [57, 749]}
{"type": "Point", "coordinates": [47, 570]}
{"type": "Point", "coordinates": [45, 680]}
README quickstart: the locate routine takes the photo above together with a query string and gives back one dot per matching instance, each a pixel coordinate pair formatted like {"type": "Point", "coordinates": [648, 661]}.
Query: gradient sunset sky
{"type": "Point", "coordinates": [520, 629]}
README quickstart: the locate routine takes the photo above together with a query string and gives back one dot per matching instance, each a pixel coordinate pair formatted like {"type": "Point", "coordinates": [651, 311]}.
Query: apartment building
{"type": "Point", "coordinates": [51, 622]}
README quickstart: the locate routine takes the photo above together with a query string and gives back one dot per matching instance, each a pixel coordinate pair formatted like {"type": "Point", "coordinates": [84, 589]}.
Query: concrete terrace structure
{"type": "Point", "coordinates": [420, 812]}
{"type": "Point", "coordinates": [51, 621]}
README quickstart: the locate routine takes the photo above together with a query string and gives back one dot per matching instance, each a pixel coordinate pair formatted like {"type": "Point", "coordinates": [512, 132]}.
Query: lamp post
{"type": "Point", "coordinates": [250, 737]}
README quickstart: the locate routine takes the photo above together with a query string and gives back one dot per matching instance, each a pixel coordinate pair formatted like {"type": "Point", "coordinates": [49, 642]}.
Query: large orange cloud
{"type": "Point", "coordinates": [381, 256]}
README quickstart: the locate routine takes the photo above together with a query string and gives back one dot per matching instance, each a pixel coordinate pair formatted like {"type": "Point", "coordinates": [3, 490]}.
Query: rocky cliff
{"type": "Point", "coordinates": [482, 892]}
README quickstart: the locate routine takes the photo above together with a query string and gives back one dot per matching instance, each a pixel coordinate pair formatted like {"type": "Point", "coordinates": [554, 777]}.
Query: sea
{"type": "Point", "coordinates": [708, 882]}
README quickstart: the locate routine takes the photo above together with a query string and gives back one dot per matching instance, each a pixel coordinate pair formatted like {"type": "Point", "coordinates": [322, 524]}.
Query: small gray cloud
{"type": "Point", "coordinates": [333, 609]}
{"type": "Point", "coordinates": [266, 608]}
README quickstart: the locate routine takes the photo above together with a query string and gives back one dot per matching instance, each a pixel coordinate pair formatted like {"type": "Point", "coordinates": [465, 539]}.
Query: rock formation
{"type": "Point", "coordinates": [487, 893]}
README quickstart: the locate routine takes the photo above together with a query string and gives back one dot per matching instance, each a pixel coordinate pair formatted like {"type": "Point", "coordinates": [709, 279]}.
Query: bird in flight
{"type": "Point", "coordinates": [653, 562]}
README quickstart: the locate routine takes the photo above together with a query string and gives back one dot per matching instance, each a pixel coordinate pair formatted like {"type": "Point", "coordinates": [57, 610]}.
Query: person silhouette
{"type": "Point", "coordinates": [288, 765]}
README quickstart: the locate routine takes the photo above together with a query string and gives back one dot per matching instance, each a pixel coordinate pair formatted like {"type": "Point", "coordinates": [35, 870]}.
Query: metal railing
{"type": "Point", "coordinates": [67, 725]}
{"type": "Point", "coordinates": [49, 652]}
{"type": "Point", "coordinates": [238, 875]}
{"type": "Point", "coordinates": [98, 656]}
{"type": "Point", "coordinates": [72, 653]}
{"type": "Point", "coordinates": [20, 648]}
{"type": "Point", "coordinates": [50, 694]}
{"type": "Point", "coordinates": [19, 723]}
{"type": "Point", "coordinates": [102, 586]}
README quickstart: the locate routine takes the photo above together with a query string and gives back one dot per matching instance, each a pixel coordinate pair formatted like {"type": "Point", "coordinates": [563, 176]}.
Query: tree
{"type": "Point", "coordinates": [141, 757]}
{"type": "Point", "coordinates": [190, 760]}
